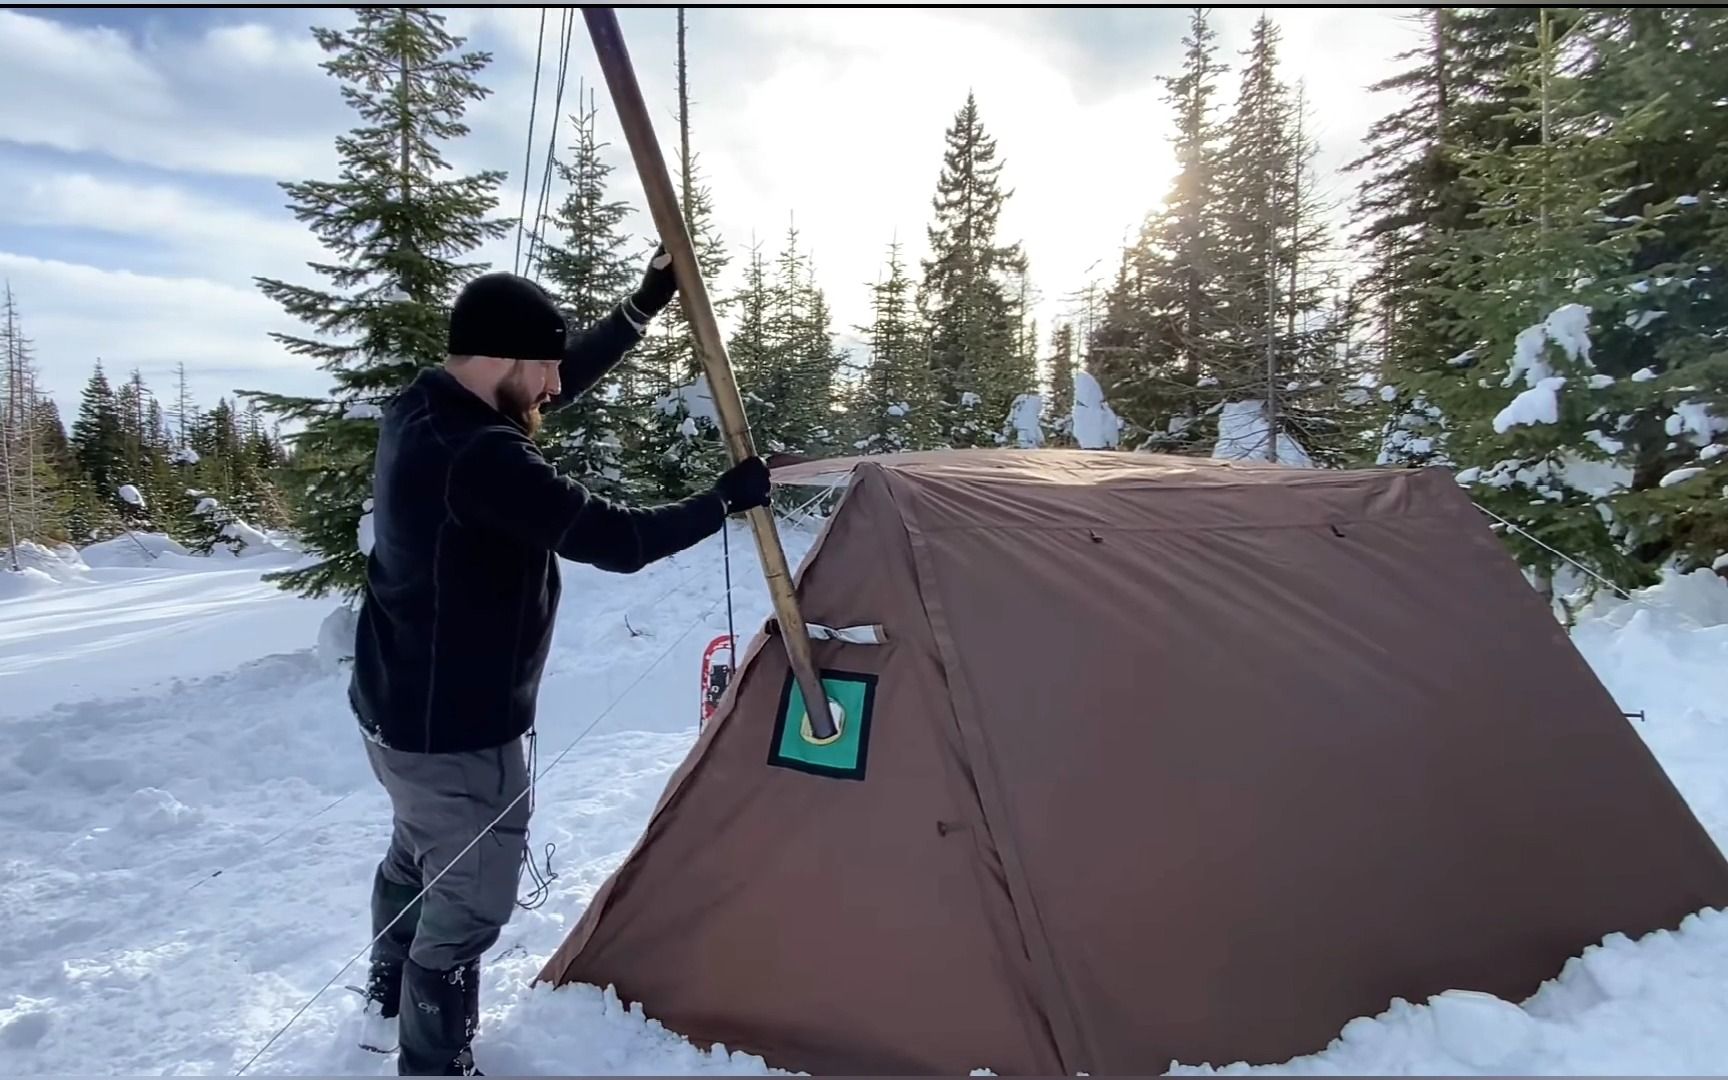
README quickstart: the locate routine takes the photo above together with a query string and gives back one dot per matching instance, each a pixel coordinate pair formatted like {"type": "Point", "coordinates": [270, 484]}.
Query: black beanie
{"type": "Point", "coordinates": [506, 315]}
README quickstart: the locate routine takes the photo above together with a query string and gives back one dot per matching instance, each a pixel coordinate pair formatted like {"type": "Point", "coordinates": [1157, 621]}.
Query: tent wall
{"type": "Point", "coordinates": [1270, 759]}
{"type": "Point", "coordinates": [826, 924]}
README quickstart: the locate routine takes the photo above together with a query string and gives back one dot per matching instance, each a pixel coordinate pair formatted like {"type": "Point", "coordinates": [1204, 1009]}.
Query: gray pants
{"type": "Point", "coordinates": [441, 802]}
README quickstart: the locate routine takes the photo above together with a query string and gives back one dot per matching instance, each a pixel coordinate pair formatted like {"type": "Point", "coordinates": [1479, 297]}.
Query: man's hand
{"type": "Point", "coordinates": [659, 285]}
{"type": "Point", "coordinates": [744, 486]}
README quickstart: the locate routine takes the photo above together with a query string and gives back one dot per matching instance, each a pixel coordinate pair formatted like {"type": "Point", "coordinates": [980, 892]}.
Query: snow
{"type": "Point", "coordinates": [364, 536]}
{"type": "Point", "coordinates": [192, 827]}
{"type": "Point", "coordinates": [1527, 358]}
{"type": "Point", "coordinates": [363, 410]}
{"type": "Point", "coordinates": [898, 409]}
{"type": "Point", "coordinates": [135, 549]}
{"type": "Point", "coordinates": [1095, 425]}
{"type": "Point", "coordinates": [1603, 442]}
{"type": "Point", "coordinates": [1679, 476]}
{"type": "Point", "coordinates": [191, 824]}
{"type": "Point", "coordinates": [1388, 393]}
{"type": "Point", "coordinates": [252, 539]}
{"type": "Point", "coordinates": [1711, 453]}
{"type": "Point", "coordinates": [1686, 200]}
{"type": "Point", "coordinates": [1569, 328]}
{"type": "Point", "coordinates": [184, 456]}
{"type": "Point", "coordinates": [1638, 320]}
{"type": "Point", "coordinates": [693, 398]}
{"type": "Point", "coordinates": [23, 581]}
{"type": "Point", "coordinates": [1600, 382]}
{"type": "Point", "coordinates": [1597, 479]}
{"type": "Point", "coordinates": [1695, 417]}
{"type": "Point", "coordinates": [1538, 405]}
{"type": "Point", "coordinates": [131, 495]}
{"type": "Point", "coordinates": [119, 622]}
{"type": "Point", "coordinates": [1025, 417]}
{"type": "Point", "coordinates": [1242, 436]}
{"type": "Point", "coordinates": [1643, 374]}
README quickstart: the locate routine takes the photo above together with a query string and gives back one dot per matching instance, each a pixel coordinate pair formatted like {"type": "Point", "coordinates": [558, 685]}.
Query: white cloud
{"type": "Point", "coordinates": [833, 118]}
{"type": "Point", "coordinates": [187, 231]}
{"type": "Point", "coordinates": [78, 314]}
{"type": "Point", "coordinates": [240, 99]}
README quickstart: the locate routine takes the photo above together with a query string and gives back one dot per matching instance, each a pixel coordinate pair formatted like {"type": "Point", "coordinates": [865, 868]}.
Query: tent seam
{"type": "Point", "coordinates": [1035, 940]}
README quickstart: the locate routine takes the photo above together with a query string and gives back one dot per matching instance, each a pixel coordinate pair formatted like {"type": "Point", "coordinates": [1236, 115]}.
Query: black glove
{"type": "Point", "coordinates": [659, 285]}
{"type": "Point", "coordinates": [744, 486]}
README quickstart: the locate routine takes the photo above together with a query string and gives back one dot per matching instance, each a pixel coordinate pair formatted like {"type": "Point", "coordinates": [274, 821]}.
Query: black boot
{"type": "Point", "coordinates": [384, 983]}
{"type": "Point", "coordinates": [440, 1013]}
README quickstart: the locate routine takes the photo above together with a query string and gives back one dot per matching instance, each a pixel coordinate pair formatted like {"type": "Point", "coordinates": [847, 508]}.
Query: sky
{"type": "Point", "coordinates": [141, 151]}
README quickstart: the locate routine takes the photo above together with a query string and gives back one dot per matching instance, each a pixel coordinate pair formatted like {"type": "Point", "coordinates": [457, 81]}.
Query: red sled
{"type": "Point", "coordinates": [716, 676]}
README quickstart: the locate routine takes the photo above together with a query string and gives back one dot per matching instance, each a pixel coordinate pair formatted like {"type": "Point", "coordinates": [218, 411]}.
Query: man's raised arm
{"type": "Point", "coordinates": [593, 351]}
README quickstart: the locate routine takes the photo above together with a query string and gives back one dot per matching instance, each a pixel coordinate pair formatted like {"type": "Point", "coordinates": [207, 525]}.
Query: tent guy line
{"type": "Point", "coordinates": [1553, 550]}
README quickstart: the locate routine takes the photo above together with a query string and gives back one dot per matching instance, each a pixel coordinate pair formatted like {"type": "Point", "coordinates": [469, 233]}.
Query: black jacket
{"type": "Point", "coordinates": [462, 581]}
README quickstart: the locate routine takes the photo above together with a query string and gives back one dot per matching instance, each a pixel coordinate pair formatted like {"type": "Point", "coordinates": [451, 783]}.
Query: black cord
{"type": "Point", "coordinates": [542, 881]}
{"type": "Point", "coordinates": [528, 154]}
{"type": "Point", "coordinates": [731, 633]}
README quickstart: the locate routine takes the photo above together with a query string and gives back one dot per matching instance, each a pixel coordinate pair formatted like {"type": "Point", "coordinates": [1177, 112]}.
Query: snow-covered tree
{"type": "Point", "coordinates": [1546, 293]}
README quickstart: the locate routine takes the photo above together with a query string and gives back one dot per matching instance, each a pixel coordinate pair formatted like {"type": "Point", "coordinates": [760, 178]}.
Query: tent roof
{"type": "Point", "coordinates": [1060, 466]}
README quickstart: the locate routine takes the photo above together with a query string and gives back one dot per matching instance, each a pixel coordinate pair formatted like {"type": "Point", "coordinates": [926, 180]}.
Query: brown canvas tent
{"type": "Point", "coordinates": [1160, 759]}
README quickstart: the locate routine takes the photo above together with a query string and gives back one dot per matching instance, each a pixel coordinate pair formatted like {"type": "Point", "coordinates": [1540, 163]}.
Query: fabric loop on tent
{"type": "Point", "coordinates": [871, 634]}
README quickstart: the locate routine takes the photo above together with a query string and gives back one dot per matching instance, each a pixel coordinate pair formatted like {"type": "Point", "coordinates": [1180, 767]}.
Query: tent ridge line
{"type": "Point", "coordinates": [1055, 999]}
{"type": "Point", "coordinates": [1084, 523]}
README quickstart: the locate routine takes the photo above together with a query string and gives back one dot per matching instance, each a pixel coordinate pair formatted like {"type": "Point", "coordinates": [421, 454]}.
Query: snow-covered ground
{"type": "Point", "coordinates": [190, 829]}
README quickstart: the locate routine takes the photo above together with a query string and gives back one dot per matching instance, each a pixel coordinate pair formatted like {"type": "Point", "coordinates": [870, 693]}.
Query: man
{"type": "Point", "coordinates": [461, 588]}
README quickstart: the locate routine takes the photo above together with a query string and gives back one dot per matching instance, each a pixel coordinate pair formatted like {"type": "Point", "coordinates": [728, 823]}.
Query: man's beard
{"type": "Point", "coordinates": [513, 402]}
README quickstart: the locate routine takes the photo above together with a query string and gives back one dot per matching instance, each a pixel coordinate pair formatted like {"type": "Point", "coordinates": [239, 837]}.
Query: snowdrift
{"type": "Point", "coordinates": [191, 829]}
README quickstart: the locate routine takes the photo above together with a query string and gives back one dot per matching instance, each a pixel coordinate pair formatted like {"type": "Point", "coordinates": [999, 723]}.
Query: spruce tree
{"type": "Point", "coordinates": [677, 450]}
{"type": "Point", "coordinates": [1163, 321]}
{"type": "Point", "coordinates": [398, 232]}
{"type": "Point", "coordinates": [756, 353]}
{"type": "Point", "coordinates": [1547, 293]}
{"type": "Point", "coordinates": [895, 408]}
{"type": "Point", "coordinates": [1059, 407]}
{"type": "Point", "coordinates": [587, 269]}
{"type": "Point", "coordinates": [964, 296]}
{"type": "Point", "coordinates": [99, 448]}
{"type": "Point", "coordinates": [1413, 203]}
{"type": "Point", "coordinates": [1670, 66]}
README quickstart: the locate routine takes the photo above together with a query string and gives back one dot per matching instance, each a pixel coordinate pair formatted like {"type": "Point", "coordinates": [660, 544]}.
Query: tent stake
{"type": "Point", "coordinates": [710, 348]}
